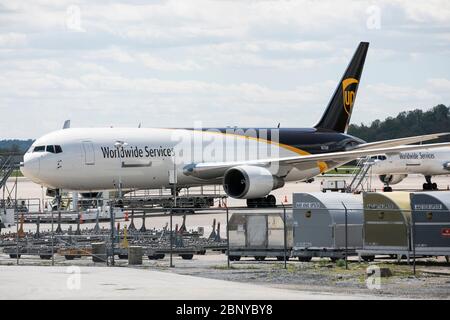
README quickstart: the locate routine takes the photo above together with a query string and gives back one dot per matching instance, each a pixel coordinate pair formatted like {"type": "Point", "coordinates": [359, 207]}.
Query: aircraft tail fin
{"type": "Point", "coordinates": [339, 109]}
{"type": "Point", "coordinates": [66, 124]}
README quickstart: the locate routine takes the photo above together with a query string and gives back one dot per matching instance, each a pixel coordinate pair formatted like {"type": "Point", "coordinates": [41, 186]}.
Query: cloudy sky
{"type": "Point", "coordinates": [246, 63]}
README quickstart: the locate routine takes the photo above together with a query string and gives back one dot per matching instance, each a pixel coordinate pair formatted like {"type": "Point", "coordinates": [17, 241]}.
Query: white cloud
{"type": "Point", "coordinates": [153, 62]}
{"type": "Point", "coordinates": [11, 39]}
{"type": "Point", "coordinates": [402, 93]}
{"type": "Point", "coordinates": [112, 53]}
{"type": "Point", "coordinates": [248, 62]}
{"type": "Point", "coordinates": [430, 11]}
{"type": "Point", "coordinates": [440, 84]}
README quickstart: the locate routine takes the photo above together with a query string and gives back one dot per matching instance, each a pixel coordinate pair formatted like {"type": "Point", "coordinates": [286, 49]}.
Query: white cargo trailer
{"type": "Point", "coordinates": [260, 233]}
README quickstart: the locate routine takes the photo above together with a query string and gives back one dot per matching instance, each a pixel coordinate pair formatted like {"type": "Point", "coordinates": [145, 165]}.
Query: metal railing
{"type": "Point", "coordinates": [361, 178]}
{"type": "Point", "coordinates": [7, 167]}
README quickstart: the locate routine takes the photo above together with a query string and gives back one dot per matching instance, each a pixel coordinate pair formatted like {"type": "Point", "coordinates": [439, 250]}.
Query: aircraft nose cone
{"type": "Point", "coordinates": [30, 167]}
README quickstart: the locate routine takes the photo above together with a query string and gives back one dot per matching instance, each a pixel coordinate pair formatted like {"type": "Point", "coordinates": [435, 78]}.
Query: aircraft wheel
{"type": "Point", "coordinates": [430, 186]}
{"type": "Point", "coordinates": [304, 259]}
{"type": "Point", "coordinates": [281, 258]}
{"type": "Point", "coordinates": [252, 203]}
{"type": "Point", "coordinates": [271, 200]}
{"type": "Point", "coordinates": [368, 258]}
{"type": "Point", "coordinates": [261, 202]}
{"type": "Point", "coordinates": [387, 189]}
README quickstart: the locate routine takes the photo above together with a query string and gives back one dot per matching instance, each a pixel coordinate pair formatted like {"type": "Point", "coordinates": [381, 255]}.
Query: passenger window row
{"type": "Point", "coordinates": [51, 149]}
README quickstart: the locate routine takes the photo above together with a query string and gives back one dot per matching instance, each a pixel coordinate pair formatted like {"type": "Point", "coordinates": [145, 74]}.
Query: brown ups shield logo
{"type": "Point", "coordinates": [349, 93]}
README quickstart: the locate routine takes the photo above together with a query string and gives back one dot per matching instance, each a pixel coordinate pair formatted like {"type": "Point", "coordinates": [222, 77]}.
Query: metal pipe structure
{"type": "Point", "coordinates": [284, 236]}
{"type": "Point", "coordinates": [118, 145]}
{"type": "Point", "coordinates": [228, 239]}
{"type": "Point", "coordinates": [17, 223]}
{"type": "Point", "coordinates": [346, 236]}
{"type": "Point", "coordinates": [413, 231]}
{"type": "Point", "coordinates": [112, 216]}
{"type": "Point", "coordinates": [53, 244]}
{"type": "Point", "coordinates": [171, 240]}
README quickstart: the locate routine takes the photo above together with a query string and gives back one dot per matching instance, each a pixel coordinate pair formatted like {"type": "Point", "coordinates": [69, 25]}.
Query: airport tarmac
{"type": "Point", "coordinates": [28, 189]}
{"type": "Point", "coordinates": [247, 279]}
{"type": "Point", "coordinates": [33, 282]}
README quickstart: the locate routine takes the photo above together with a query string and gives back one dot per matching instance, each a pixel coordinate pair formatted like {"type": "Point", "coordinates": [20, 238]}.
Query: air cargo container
{"type": "Point", "coordinates": [320, 228]}
{"type": "Point", "coordinates": [431, 223]}
{"type": "Point", "coordinates": [387, 224]}
{"type": "Point", "coordinates": [260, 234]}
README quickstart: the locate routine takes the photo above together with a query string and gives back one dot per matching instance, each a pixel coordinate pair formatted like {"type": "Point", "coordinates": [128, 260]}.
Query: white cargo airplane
{"type": "Point", "coordinates": [249, 162]}
{"type": "Point", "coordinates": [393, 168]}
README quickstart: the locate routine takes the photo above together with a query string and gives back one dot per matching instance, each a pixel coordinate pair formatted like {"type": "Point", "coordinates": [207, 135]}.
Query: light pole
{"type": "Point", "coordinates": [119, 145]}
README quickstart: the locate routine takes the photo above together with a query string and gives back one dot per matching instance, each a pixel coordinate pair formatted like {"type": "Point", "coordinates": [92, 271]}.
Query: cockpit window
{"type": "Point", "coordinates": [378, 157]}
{"type": "Point", "coordinates": [50, 149]}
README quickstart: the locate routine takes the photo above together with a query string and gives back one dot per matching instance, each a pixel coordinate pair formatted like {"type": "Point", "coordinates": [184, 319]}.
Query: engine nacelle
{"type": "Point", "coordinates": [392, 178]}
{"type": "Point", "coordinates": [446, 166]}
{"type": "Point", "coordinates": [250, 182]}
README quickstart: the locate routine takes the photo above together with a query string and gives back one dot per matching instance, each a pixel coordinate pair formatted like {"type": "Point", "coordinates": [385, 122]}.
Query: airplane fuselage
{"type": "Point", "coordinates": [97, 159]}
{"type": "Point", "coordinates": [426, 162]}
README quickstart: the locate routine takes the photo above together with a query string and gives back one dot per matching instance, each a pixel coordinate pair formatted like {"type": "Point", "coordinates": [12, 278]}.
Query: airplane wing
{"type": "Point", "coordinates": [217, 169]}
{"type": "Point", "coordinates": [400, 141]}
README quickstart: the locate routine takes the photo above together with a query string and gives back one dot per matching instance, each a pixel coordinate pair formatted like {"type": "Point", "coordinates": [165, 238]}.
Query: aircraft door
{"type": "Point", "coordinates": [412, 164]}
{"type": "Point", "coordinates": [89, 155]}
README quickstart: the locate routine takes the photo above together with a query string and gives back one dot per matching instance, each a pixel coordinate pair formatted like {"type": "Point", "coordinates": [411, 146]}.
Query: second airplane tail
{"type": "Point", "coordinates": [339, 110]}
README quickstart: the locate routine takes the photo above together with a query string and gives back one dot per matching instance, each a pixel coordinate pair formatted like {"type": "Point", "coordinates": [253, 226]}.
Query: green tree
{"type": "Point", "coordinates": [405, 124]}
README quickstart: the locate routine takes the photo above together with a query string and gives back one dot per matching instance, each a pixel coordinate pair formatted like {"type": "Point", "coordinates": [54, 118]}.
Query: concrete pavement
{"type": "Point", "coordinates": [33, 282]}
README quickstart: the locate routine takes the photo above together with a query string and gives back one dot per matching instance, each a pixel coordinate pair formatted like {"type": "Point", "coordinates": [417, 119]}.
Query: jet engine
{"type": "Point", "coordinates": [392, 178]}
{"type": "Point", "coordinates": [250, 182]}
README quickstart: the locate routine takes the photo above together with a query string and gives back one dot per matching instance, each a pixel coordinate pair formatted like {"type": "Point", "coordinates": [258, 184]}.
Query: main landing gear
{"type": "Point", "coordinates": [429, 185]}
{"type": "Point", "coordinates": [387, 188]}
{"type": "Point", "coordinates": [267, 202]}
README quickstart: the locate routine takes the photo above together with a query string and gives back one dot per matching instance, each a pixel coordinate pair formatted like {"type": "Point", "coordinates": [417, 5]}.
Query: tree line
{"type": "Point", "coordinates": [14, 146]}
{"type": "Point", "coordinates": [405, 124]}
